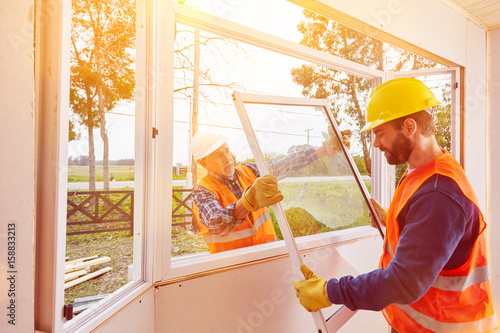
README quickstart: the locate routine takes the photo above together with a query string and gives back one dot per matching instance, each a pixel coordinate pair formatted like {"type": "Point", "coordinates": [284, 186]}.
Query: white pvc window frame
{"type": "Point", "coordinates": [153, 110]}
{"type": "Point", "coordinates": [334, 322]}
{"type": "Point", "coordinates": [194, 264]}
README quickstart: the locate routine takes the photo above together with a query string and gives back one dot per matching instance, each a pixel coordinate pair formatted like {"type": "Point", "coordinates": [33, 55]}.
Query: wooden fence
{"type": "Point", "coordinates": [183, 204]}
{"type": "Point", "coordinates": [96, 212]}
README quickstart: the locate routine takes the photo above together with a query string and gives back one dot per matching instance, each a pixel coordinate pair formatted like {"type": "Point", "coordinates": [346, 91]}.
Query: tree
{"type": "Point", "coordinates": [193, 79]}
{"type": "Point", "coordinates": [347, 94]}
{"type": "Point", "coordinates": [72, 135]}
{"type": "Point", "coordinates": [442, 119]}
{"type": "Point", "coordinates": [102, 74]}
{"type": "Point", "coordinates": [185, 63]}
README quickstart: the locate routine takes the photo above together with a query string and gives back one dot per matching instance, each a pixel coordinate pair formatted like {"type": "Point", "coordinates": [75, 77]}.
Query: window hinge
{"type": "Point", "coordinates": [456, 85]}
{"type": "Point", "coordinates": [155, 132]}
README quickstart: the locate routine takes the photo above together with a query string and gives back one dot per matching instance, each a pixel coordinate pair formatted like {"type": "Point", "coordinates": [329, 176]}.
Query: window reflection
{"type": "Point", "coordinates": [323, 196]}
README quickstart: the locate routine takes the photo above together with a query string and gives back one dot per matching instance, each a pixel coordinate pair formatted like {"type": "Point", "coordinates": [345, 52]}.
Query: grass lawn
{"type": "Point", "coordinates": [80, 173]}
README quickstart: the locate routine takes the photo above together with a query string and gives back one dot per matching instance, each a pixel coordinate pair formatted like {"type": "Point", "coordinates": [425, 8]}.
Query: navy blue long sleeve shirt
{"type": "Point", "coordinates": [438, 227]}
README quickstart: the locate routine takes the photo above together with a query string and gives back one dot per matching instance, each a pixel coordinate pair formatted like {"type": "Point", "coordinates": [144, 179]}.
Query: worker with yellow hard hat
{"type": "Point", "coordinates": [433, 272]}
{"type": "Point", "coordinates": [229, 203]}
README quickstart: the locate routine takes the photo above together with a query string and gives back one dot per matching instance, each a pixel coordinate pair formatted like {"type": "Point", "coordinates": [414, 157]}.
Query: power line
{"type": "Point", "coordinates": [241, 129]}
{"type": "Point", "coordinates": [121, 114]}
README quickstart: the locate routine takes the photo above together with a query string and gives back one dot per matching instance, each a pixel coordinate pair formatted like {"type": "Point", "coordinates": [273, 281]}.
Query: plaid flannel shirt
{"type": "Point", "coordinates": [220, 220]}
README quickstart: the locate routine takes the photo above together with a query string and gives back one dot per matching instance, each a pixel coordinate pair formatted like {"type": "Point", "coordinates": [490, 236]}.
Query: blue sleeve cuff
{"type": "Point", "coordinates": [332, 291]}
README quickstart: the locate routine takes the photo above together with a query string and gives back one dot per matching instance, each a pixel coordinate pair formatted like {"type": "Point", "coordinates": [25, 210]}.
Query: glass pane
{"type": "Point", "coordinates": [224, 66]}
{"type": "Point", "coordinates": [257, 14]}
{"type": "Point", "coordinates": [321, 196]}
{"type": "Point", "coordinates": [101, 156]}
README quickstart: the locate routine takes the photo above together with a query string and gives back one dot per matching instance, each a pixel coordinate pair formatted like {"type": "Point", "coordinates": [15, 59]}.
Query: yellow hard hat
{"type": "Point", "coordinates": [203, 143]}
{"type": "Point", "coordinates": [395, 99]}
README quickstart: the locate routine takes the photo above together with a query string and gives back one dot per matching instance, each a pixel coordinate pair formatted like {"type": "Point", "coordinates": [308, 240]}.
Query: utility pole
{"type": "Point", "coordinates": [196, 83]}
{"type": "Point", "coordinates": [307, 130]}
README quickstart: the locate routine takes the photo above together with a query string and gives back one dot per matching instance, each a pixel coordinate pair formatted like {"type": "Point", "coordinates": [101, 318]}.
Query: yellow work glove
{"type": "Point", "coordinates": [332, 145]}
{"type": "Point", "coordinates": [312, 291]}
{"type": "Point", "coordinates": [382, 213]}
{"type": "Point", "coordinates": [262, 193]}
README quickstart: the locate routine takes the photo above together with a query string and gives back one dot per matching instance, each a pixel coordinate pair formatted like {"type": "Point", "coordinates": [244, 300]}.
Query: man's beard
{"type": "Point", "coordinates": [400, 150]}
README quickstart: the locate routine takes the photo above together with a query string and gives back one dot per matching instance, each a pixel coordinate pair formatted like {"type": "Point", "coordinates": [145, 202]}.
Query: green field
{"type": "Point", "coordinates": [310, 208]}
{"type": "Point", "coordinates": [77, 173]}
{"type": "Point", "coordinates": [336, 204]}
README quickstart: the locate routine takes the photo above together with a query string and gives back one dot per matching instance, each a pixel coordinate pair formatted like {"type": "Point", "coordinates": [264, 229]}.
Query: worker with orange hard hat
{"type": "Point", "coordinates": [229, 203]}
{"type": "Point", "coordinates": [433, 273]}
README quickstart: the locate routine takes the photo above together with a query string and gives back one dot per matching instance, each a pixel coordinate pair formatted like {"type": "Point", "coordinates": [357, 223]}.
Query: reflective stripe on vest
{"type": "Point", "coordinates": [388, 249]}
{"type": "Point", "coordinates": [246, 233]}
{"type": "Point", "coordinates": [231, 237]}
{"type": "Point", "coordinates": [457, 283]}
{"type": "Point", "coordinates": [262, 219]}
{"type": "Point", "coordinates": [459, 300]}
{"type": "Point", "coordinates": [483, 325]}
{"type": "Point", "coordinates": [460, 283]}
{"type": "Point", "coordinates": [236, 235]}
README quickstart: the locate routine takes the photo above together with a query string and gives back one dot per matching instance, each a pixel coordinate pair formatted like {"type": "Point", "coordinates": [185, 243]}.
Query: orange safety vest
{"type": "Point", "coordinates": [246, 233]}
{"type": "Point", "coordinates": [460, 299]}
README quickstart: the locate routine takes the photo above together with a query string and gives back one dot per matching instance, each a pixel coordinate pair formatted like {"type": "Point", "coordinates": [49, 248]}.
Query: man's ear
{"type": "Point", "coordinates": [409, 126]}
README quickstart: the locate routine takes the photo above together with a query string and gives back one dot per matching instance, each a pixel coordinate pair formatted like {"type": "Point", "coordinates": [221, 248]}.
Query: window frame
{"type": "Point", "coordinates": [193, 265]}
{"type": "Point", "coordinates": [341, 316]}
{"type": "Point", "coordinates": [153, 109]}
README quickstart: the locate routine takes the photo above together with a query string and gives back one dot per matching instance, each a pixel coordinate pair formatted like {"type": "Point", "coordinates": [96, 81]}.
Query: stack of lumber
{"type": "Point", "coordinates": [78, 271]}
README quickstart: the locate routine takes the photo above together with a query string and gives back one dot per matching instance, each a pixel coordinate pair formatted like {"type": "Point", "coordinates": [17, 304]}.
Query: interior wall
{"type": "Point", "coordinates": [475, 112]}
{"type": "Point", "coordinates": [494, 223]}
{"type": "Point", "coordinates": [138, 316]}
{"type": "Point", "coordinates": [17, 145]}
{"type": "Point", "coordinates": [429, 24]}
{"type": "Point", "coordinates": [260, 298]}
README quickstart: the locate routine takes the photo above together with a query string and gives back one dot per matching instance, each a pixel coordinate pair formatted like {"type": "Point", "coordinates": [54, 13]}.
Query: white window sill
{"type": "Point", "coordinates": [90, 319]}
{"type": "Point", "coordinates": [198, 263]}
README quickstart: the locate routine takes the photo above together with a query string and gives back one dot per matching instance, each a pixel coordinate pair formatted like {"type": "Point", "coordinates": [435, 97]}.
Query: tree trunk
{"type": "Point", "coordinates": [91, 158]}
{"type": "Point", "coordinates": [364, 143]}
{"type": "Point", "coordinates": [105, 141]}
{"type": "Point", "coordinates": [102, 116]}
{"type": "Point", "coordinates": [105, 154]}
{"type": "Point", "coordinates": [366, 154]}
{"type": "Point", "coordinates": [194, 117]}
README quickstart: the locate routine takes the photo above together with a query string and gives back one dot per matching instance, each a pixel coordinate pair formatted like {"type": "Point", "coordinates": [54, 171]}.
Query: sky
{"type": "Point", "coordinates": [280, 18]}
{"type": "Point", "coordinates": [253, 69]}
{"type": "Point", "coordinates": [121, 129]}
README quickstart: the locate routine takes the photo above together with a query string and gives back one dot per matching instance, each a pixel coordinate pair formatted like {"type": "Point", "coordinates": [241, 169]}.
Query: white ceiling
{"type": "Point", "coordinates": [485, 13]}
